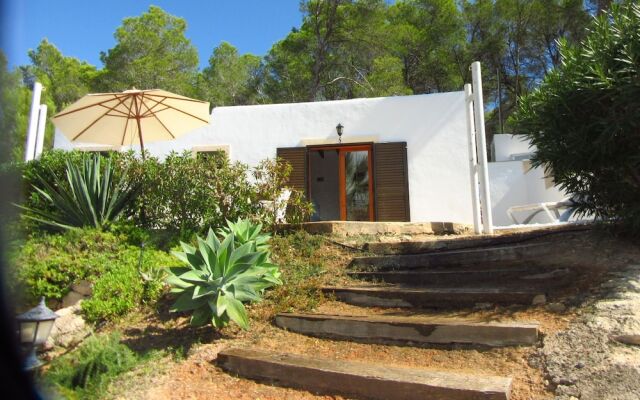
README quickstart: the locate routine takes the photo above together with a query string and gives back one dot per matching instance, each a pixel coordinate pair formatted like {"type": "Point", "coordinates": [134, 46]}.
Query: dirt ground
{"type": "Point", "coordinates": [575, 359]}
{"type": "Point", "coordinates": [197, 377]}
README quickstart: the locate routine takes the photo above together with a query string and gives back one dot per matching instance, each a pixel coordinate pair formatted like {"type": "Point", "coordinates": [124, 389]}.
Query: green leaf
{"type": "Point", "coordinates": [200, 316]}
{"type": "Point", "coordinates": [208, 255]}
{"type": "Point", "coordinates": [219, 321]}
{"type": "Point", "coordinates": [185, 302]}
{"type": "Point", "coordinates": [181, 256]}
{"type": "Point", "coordinates": [221, 304]}
{"type": "Point", "coordinates": [245, 293]}
{"type": "Point", "coordinates": [177, 282]}
{"type": "Point", "coordinates": [237, 312]}
{"type": "Point", "coordinates": [188, 248]}
{"type": "Point", "coordinates": [212, 240]}
{"type": "Point", "coordinates": [194, 276]}
{"type": "Point", "coordinates": [201, 291]}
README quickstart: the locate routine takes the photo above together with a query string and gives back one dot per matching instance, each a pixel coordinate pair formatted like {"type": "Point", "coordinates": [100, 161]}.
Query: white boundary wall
{"type": "Point", "coordinates": [515, 183]}
{"type": "Point", "coordinates": [505, 146]}
{"type": "Point", "coordinates": [434, 127]}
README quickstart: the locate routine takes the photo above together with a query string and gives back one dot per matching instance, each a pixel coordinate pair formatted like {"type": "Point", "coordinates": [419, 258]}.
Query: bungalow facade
{"type": "Point", "coordinates": [401, 158]}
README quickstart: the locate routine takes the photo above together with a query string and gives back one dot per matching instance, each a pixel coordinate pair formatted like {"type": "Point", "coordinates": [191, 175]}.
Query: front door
{"type": "Point", "coordinates": [340, 182]}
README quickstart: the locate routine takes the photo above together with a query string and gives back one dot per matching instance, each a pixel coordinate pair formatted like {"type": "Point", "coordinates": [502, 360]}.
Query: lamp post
{"type": "Point", "coordinates": [35, 326]}
{"type": "Point", "coordinates": [339, 129]}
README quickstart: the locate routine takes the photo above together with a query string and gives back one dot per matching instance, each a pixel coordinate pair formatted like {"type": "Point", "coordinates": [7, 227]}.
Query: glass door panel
{"type": "Point", "coordinates": [357, 185]}
{"type": "Point", "coordinates": [324, 184]}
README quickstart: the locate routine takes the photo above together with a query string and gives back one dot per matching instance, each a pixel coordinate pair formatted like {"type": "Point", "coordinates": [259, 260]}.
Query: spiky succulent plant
{"type": "Point", "coordinates": [218, 278]}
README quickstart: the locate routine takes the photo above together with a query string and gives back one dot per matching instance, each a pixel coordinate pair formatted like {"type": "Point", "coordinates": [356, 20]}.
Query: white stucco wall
{"type": "Point", "coordinates": [514, 183]}
{"type": "Point", "coordinates": [505, 145]}
{"type": "Point", "coordinates": [433, 126]}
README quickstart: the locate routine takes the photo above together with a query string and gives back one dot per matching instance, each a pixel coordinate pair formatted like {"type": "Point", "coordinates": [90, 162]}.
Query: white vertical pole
{"type": "Point", "coordinates": [42, 123]}
{"type": "Point", "coordinates": [478, 105]}
{"type": "Point", "coordinates": [473, 161]}
{"type": "Point", "coordinates": [30, 146]}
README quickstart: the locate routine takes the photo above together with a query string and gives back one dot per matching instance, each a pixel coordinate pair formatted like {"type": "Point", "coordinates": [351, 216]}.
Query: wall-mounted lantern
{"type": "Point", "coordinates": [35, 326]}
{"type": "Point", "coordinates": [339, 129]}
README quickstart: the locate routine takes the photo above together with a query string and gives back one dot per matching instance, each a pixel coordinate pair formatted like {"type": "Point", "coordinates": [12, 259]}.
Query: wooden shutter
{"type": "Point", "coordinates": [391, 181]}
{"type": "Point", "coordinates": [297, 157]}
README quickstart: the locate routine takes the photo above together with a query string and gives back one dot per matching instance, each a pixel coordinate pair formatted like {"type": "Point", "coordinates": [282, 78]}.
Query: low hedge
{"type": "Point", "coordinates": [49, 264]}
{"type": "Point", "coordinates": [182, 193]}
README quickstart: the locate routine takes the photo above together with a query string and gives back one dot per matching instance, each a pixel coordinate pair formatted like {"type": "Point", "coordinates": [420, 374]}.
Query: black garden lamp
{"type": "Point", "coordinates": [35, 326]}
{"type": "Point", "coordinates": [339, 129]}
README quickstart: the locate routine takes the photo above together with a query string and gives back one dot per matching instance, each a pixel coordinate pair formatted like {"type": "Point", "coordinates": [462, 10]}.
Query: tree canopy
{"type": "Point", "coordinates": [342, 49]}
{"type": "Point", "coordinates": [151, 52]}
{"type": "Point", "coordinates": [230, 78]}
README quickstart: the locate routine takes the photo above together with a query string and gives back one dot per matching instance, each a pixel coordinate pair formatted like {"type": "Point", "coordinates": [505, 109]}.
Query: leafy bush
{"type": "Point", "coordinates": [89, 197]}
{"type": "Point", "coordinates": [86, 372]}
{"type": "Point", "coordinates": [127, 284]}
{"type": "Point", "coordinates": [299, 209]}
{"type": "Point", "coordinates": [181, 194]}
{"type": "Point", "coordinates": [218, 278]}
{"type": "Point", "coordinates": [49, 264]}
{"type": "Point", "coordinates": [584, 118]}
{"type": "Point", "coordinates": [184, 193]}
{"type": "Point", "coordinates": [270, 178]}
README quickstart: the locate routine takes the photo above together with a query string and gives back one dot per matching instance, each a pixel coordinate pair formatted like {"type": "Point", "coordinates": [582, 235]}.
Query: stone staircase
{"type": "Point", "coordinates": [459, 279]}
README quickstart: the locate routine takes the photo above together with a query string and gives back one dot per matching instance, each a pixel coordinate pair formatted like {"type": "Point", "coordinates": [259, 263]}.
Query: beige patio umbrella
{"type": "Point", "coordinates": [131, 117]}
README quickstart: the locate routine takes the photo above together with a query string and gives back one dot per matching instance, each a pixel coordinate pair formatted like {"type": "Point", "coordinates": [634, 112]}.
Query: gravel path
{"type": "Point", "coordinates": [584, 361]}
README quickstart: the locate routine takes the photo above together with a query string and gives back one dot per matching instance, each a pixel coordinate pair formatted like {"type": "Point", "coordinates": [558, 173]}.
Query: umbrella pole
{"type": "Point", "coordinates": [143, 214]}
{"type": "Point", "coordinates": [140, 137]}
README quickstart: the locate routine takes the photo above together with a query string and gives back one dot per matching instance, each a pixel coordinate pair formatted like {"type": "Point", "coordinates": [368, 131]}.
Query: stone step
{"type": "Point", "coordinates": [361, 380]}
{"type": "Point", "coordinates": [518, 276]}
{"type": "Point", "coordinates": [400, 296]}
{"type": "Point", "coordinates": [408, 331]}
{"type": "Point", "coordinates": [478, 241]}
{"type": "Point", "coordinates": [526, 255]}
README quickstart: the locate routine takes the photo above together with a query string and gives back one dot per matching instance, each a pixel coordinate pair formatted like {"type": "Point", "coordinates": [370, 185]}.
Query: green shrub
{"type": "Point", "coordinates": [299, 209]}
{"type": "Point", "coordinates": [182, 194]}
{"type": "Point", "coordinates": [115, 293]}
{"type": "Point", "coordinates": [90, 196]}
{"type": "Point", "coordinates": [270, 177]}
{"type": "Point", "coordinates": [87, 371]}
{"type": "Point", "coordinates": [185, 194]}
{"type": "Point", "coordinates": [48, 265]}
{"type": "Point", "coordinates": [218, 277]}
{"type": "Point", "coordinates": [127, 284]}
{"type": "Point", "coordinates": [584, 118]}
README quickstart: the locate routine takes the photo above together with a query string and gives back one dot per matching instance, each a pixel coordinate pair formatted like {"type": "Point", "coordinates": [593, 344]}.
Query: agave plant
{"type": "Point", "coordinates": [89, 197]}
{"type": "Point", "coordinates": [245, 231]}
{"type": "Point", "coordinates": [218, 278]}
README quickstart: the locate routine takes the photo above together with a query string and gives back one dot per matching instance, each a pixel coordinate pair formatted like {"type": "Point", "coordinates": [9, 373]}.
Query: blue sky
{"type": "Point", "coordinates": [83, 28]}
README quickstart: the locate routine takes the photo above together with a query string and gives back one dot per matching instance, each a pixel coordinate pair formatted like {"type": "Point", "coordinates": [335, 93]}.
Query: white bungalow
{"type": "Point", "coordinates": [401, 158]}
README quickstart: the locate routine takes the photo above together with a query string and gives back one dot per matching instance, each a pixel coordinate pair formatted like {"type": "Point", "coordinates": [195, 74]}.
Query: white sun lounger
{"type": "Point", "coordinates": [551, 209]}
